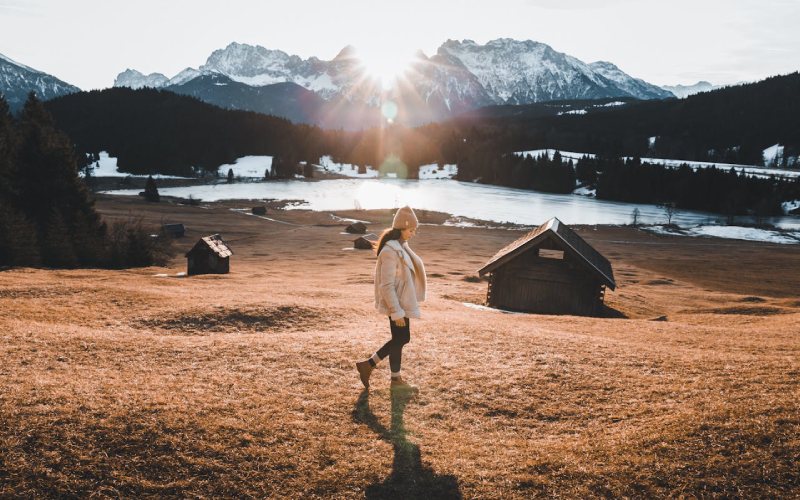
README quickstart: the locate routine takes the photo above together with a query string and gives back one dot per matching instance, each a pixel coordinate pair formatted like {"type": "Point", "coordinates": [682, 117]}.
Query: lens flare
{"type": "Point", "coordinates": [393, 166]}
{"type": "Point", "coordinates": [386, 64]}
{"type": "Point", "coordinates": [389, 110]}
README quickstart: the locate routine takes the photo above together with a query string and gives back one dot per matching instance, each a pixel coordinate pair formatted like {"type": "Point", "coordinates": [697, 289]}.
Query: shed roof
{"type": "Point", "coordinates": [371, 237]}
{"type": "Point", "coordinates": [213, 243]}
{"type": "Point", "coordinates": [571, 241]}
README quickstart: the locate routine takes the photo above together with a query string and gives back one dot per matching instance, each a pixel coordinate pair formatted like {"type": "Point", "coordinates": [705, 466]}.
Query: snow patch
{"type": "Point", "coordinates": [432, 171]}
{"type": "Point", "coordinates": [733, 233]}
{"type": "Point", "coordinates": [248, 166]}
{"type": "Point", "coordinates": [573, 112]}
{"type": "Point", "coordinates": [106, 166]}
{"type": "Point", "coordinates": [565, 155]}
{"type": "Point", "coordinates": [585, 191]}
{"type": "Point", "coordinates": [345, 219]}
{"type": "Point", "coordinates": [756, 170]}
{"type": "Point", "coordinates": [788, 206]}
{"type": "Point", "coordinates": [773, 155]}
{"type": "Point", "coordinates": [347, 169]}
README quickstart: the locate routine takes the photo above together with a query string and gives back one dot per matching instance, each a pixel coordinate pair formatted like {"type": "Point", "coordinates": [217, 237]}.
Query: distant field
{"type": "Point", "coordinates": [123, 383]}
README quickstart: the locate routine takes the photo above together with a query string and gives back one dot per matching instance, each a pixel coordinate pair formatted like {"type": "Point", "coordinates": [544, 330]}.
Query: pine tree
{"type": "Point", "coordinates": [50, 194]}
{"type": "Point", "coordinates": [230, 175]}
{"type": "Point", "coordinates": [19, 245]}
{"type": "Point", "coordinates": [57, 242]}
{"type": "Point", "coordinates": [7, 149]}
{"type": "Point", "coordinates": [151, 190]}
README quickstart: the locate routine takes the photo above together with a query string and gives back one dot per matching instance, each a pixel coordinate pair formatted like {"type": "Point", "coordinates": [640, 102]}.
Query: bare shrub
{"type": "Point", "coordinates": [130, 244]}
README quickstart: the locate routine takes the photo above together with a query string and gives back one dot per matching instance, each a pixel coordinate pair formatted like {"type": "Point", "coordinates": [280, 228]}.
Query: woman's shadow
{"type": "Point", "coordinates": [409, 478]}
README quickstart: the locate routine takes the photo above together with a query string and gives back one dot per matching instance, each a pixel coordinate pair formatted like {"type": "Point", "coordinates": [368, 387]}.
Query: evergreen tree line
{"type": "Point", "coordinates": [153, 131]}
{"type": "Point", "coordinates": [46, 214]}
{"type": "Point", "coordinates": [541, 173]}
{"type": "Point", "coordinates": [708, 189]}
{"type": "Point", "coordinates": [730, 125]}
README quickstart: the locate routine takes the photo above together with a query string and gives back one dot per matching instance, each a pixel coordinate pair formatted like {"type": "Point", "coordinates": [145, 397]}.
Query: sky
{"type": "Point", "coordinates": [88, 42]}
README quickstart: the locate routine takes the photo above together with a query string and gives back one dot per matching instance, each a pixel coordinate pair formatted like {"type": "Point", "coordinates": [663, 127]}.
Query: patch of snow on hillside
{"type": "Point", "coordinates": [322, 82]}
{"type": "Point", "coordinates": [573, 112]}
{"type": "Point", "coordinates": [585, 191]}
{"type": "Point", "coordinates": [258, 80]}
{"type": "Point", "coordinates": [788, 206]}
{"type": "Point", "coordinates": [773, 155]}
{"type": "Point", "coordinates": [248, 166]}
{"type": "Point", "coordinates": [748, 169]}
{"type": "Point", "coordinates": [107, 167]}
{"type": "Point", "coordinates": [615, 103]}
{"type": "Point", "coordinates": [735, 233]}
{"type": "Point", "coordinates": [346, 169]}
{"type": "Point", "coordinates": [651, 141]}
{"type": "Point", "coordinates": [432, 171]}
{"type": "Point", "coordinates": [566, 155]}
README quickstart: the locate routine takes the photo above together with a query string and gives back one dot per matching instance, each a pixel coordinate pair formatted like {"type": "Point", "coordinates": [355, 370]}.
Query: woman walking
{"type": "Point", "coordinates": [399, 288]}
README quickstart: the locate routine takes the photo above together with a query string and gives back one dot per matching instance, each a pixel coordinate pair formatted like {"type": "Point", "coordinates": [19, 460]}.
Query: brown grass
{"type": "Point", "coordinates": [122, 383]}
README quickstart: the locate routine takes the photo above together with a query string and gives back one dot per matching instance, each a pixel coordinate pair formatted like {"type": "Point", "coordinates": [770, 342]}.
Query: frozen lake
{"type": "Point", "coordinates": [462, 199]}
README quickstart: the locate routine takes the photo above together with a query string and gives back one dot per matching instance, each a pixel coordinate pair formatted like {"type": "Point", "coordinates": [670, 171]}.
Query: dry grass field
{"type": "Point", "coordinates": [127, 383]}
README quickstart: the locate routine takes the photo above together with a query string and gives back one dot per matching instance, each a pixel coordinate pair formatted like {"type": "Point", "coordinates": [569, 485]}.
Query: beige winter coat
{"type": "Point", "coordinates": [399, 281]}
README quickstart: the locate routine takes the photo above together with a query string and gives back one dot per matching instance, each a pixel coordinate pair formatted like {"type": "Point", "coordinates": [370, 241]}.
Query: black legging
{"type": "Point", "coordinates": [401, 335]}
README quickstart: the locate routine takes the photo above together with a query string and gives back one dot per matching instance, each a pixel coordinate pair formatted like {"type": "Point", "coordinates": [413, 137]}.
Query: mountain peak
{"type": "Point", "coordinates": [18, 80]}
{"type": "Point", "coordinates": [15, 63]}
{"type": "Point", "coordinates": [603, 64]}
{"type": "Point", "coordinates": [136, 80]}
{"type": "Point", "coordinates": [347, 52]}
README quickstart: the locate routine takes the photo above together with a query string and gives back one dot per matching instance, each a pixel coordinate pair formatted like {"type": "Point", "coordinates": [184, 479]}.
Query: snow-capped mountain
{"type": "Point", "coordinates": [525, 72]}
{"type": "Point", "coordinates": [136, 80]}
{"type": "Point", "coordinates": [461, 76]}
{"type": "Point", "coordinates": [258, 66]}
{"type": "Point", "coordinates": [18, 80]}
{"type": "Point", "coordinates": [183, 77]}
{"type": "Point", "coordinates": [682, 91]}
{"type": "Point", "coordinates": [636, 87]}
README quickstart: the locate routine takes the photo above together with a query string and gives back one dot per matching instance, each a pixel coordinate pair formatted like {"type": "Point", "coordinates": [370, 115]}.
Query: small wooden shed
{"type": "Point", "coordinates": [259, 210]}
{"type": "Point", "coordinates": [174, 230]}
{"type": "Point", "coordinates": [550, 270]}
{"type": "Point", "coordinates": [210, 255]}
{"type": "Point", "coordinates": [356, 228]}
{"type": "Point", "coordinates": [366, 242]}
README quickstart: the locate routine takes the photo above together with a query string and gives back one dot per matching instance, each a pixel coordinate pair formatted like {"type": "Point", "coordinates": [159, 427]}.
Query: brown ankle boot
{"type": "Point", "coordinates": [364, 370]}
{"type": "Point", "coordinates": [398, 384]}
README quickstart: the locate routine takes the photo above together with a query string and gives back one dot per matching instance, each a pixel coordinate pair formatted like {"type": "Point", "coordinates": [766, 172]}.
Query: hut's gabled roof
{"type": "Point", "coordinates": [573, 243]}
{"type": "Point", "coordinates": [371, 237]}
{"type": "Point", "coordinates": [213, 243]}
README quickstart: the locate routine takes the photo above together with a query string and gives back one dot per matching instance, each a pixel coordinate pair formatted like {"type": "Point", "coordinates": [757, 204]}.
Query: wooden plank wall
{"type": "Point", "coordinates": [545, 285]}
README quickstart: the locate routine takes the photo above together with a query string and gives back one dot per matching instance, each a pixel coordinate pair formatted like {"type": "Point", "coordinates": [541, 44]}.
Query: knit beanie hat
{"type": "Point", "coordinates": [405, 219]}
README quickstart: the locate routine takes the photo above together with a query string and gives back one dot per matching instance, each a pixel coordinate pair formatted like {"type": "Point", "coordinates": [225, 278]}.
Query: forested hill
{"type": "Point", "coordinates": [733, 125]}
{"type": "Point", "coordinates": [153, 131]}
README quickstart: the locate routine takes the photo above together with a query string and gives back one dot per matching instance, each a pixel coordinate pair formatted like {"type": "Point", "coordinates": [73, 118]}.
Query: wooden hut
{"type": "Point", "coordinates": [366, 242]}
{"type": "Point", "coordinates": [550, 270]}
{"type": "Point", "coordinates": [260, 210]}
{"type": "Point", "coordinates": [174, 230]}
{"type": "Point", "coordinates": [210, 255]}
{"type": "Point", "coordinates": [356, 228]}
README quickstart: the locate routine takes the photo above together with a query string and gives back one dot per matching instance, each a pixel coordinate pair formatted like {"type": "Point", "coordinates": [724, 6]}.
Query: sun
{"type": "Point", "coordinates": [384, 63]}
